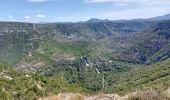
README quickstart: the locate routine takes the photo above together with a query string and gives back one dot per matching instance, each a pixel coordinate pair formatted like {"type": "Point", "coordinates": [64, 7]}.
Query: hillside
{"type": "Point", "coordinates": [19, 85]}
{"type": "Point", "coordinates": [163, 17]}
{"type": "Point", "coordinates": [156, 76]}
{"type": "Point", "coordinates": [88, 57]}
{"type": "Point", "coordinates": [24, 41]}
{"type": "Point", "coordinates": [22, 86]}
{"type": "Point", "coordinates": [153, 48]}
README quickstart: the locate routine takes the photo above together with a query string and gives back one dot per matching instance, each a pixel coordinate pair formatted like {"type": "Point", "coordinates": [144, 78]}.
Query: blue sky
{"type": "Point", "coordinates": [80, 10]}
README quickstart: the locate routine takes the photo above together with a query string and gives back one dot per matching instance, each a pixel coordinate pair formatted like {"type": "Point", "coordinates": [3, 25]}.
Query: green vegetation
{"type": "Point", "coordinates": [156, 76]}
{"type": "Point", "coordinates": [49, 47]}
{"type": "Point", "coordinates": [105, 57]}
{"type": "Point", "coordinates": [17, 85]}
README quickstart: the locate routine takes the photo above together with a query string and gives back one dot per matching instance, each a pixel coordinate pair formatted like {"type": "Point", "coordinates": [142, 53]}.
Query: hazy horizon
{"type": "Point", "coordinates": [80, 10]}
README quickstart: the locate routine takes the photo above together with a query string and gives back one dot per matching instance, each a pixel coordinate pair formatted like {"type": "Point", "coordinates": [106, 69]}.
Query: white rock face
{"type": "Point", "coordinates": [8, 77]}
{"type": "Point", "coordinates": [27, 76]}
{"type": "Point", "coordinates": [110, 61]}
{"type": "Point", "coordinates": [87, 64]}
{"type": "Point", "coordinates": [168, 92]}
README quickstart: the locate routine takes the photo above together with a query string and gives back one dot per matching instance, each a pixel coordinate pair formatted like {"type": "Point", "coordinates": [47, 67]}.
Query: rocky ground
{"type": "Point", "coordinates": [78, 96]}
{"type": "Point", "coordinates": [140, 95]}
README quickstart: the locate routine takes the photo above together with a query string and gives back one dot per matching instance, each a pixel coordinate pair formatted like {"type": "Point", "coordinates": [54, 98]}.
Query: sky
{"type": "Point", "coordinates": [80, 10]}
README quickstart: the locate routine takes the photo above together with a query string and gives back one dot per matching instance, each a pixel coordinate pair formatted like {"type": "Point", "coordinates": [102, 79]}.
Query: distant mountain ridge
{"type": "Point", "coordinates": [163, 17]}
{"type": "Point", "coordinates": [157, 18]}
{"type": "Point", "coordinates": [95, 20]}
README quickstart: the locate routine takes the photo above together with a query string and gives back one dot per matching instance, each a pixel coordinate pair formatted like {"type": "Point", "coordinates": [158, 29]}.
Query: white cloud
{"type": "Point", "coordinates": [137, 13]}
{"type": "Point", "coordinates": [120, 4]}
{"type": "Point", "coordinates": [41, 1]}
{"type": "Point", "coordinates": [27, 17]}
{"type": "Point", "coordinates": [98, 1]}
{"type": "Point", "coordinates": [40, 16]}
{"type": "Point", "coordinates": [38, 1]}
{"type": "Point", "coordinates": [126, 1]}
{"type": "Point", "coordinates": [10, 18]}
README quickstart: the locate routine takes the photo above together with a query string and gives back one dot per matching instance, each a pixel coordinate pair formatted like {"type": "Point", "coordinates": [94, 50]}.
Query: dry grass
{"type": "Point", "coordinates": [66, 96]}
{"type": "Point", "coordinates": [104, 97]}
{"type": "Point", "coordinates": [77, 97]}
{"type": "Point", "coordinates": [149, 94]}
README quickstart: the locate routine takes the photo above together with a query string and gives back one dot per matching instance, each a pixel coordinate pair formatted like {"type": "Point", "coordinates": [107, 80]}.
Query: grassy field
{"type": "Point", "coordinates": [49, 47]}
